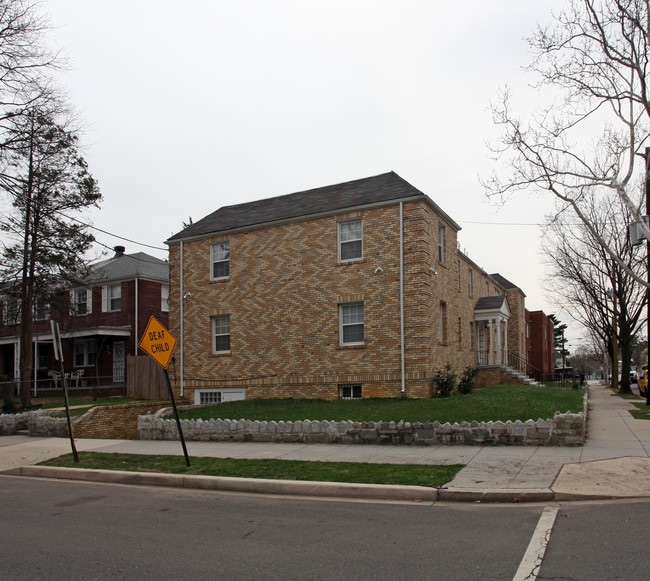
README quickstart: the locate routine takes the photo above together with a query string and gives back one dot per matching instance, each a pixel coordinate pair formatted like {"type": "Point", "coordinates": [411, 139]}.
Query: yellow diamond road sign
{"type": "Point", "coordinates": [157, 342]}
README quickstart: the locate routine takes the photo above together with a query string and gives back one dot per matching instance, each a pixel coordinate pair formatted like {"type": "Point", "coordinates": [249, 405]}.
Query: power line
{"type": "Point", "coordinates": [112, 234]}
{"type": "Point", "coordinates": [502, 223]}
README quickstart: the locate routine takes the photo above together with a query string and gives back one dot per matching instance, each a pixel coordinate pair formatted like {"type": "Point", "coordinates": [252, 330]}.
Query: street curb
{"type": "Point", "coordinates": [496, 495]}
{"type": "Point", "coordinates": [248, 485]}
{"type": "Point", "coordinates": [341, 490]}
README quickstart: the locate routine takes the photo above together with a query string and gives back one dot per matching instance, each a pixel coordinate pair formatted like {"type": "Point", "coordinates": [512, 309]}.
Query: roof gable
{"type": "Point", "coordinates": [491, 306]}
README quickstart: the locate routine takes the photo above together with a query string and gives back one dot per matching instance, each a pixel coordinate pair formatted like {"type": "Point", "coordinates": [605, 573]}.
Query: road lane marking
{"type": "Point", "coordinates": [534, 555]}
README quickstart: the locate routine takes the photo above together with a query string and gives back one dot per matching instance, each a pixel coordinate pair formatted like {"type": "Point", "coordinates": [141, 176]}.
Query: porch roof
{"type": "Point", "coordinates": [487, 307]}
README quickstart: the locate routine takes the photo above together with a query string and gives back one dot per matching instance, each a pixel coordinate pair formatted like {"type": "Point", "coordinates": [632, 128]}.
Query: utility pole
{"type": "Point", "coordinates": [647, 213]}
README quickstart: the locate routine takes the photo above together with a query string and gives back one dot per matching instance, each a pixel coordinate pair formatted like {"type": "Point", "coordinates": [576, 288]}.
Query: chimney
{"type": "Point", "coordinates": [119, 251]}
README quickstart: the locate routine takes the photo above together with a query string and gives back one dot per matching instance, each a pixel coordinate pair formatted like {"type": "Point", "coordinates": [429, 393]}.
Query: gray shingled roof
{"type": "Point", "coordinates": [130, 266]}
{"type": "Point", "coordinates": [379, 189]}
{"type": "Point", "coordinates": [490, 303]}
{"type": "Point", "coordinates": [503, 282]}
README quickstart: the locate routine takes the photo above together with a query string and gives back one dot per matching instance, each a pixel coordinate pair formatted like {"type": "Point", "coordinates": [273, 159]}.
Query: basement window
{"type": "Point", "coordinates": [209, 397]}
{"type": "Point", "coordinates": [350, 391]}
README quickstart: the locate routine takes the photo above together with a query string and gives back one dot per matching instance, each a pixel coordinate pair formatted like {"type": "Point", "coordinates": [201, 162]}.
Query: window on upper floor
{"type": "Point", "coordinates": [111, 298]}
{"type": "Point", "coordinates": [441, 243]}
{"type": "Point", "coordinates": [220, 260]}
{"type": "Point", "coordinates": [10, 312]}
{"type": "Point", "coordinates": [470, 282]}
{"type": "Point", "coordinates": [351, 324]}
{"type": "Point", "coordinates": [221, 334]}
{"type": "Point", "coordinates": [164, 298]}
{"type": "Point", "coordinates": [41, 310]}
{"type": "Point", "coordinates": [350, 234]}
{"type": "Point", "coordinates": [81, 301]}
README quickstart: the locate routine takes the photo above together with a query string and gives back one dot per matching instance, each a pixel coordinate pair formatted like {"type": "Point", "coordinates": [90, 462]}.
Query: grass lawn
{"type": "Point", "coordinates": [501, 402]}
{"type": "Point", "coordinates": [504, 402]}
{"type": "Point", "coordinates": [402, 474]}
{"type": "Point", "coordinates": [642, 412]}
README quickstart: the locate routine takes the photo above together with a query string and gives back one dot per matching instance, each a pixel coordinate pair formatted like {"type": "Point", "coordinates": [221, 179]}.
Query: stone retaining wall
{"type": "Point", "coordinates": [11, 423]}
{"type": "Point", "coordinates": [565, 429]}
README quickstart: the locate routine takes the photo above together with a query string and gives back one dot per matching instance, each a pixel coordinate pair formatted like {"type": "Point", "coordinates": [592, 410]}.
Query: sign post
{"type": "Point", "coordinates": [158, 343]}
{"type": "Point", "coordinates": [58, 355]}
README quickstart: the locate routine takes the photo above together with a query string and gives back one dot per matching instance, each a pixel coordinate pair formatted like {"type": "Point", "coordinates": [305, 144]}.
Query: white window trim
{"type": "Point", "coordinates": [106, 298]}
{"type": "Point", "coordinates": [340, 242]}
{"type": "Point", "coordinates": [342, 307]}
{"type": "Point", "coordinates": [214, 335]}
{"type": "Point", "coordinates": [222, 395]}
{"type": "Point", "coordinates": [213, 261]}
{"type": "Point", "coordinates": [74, 305]}
{"type": "Point", "coordinates": [164, 298]}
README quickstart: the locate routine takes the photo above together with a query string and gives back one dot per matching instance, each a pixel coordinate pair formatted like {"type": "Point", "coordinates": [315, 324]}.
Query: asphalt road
{"type": "Point", "coordinates": [68, 530]}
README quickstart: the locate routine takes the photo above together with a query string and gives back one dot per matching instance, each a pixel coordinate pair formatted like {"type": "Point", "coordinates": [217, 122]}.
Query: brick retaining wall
{"type": "Point", "coordinates": [118, 422]}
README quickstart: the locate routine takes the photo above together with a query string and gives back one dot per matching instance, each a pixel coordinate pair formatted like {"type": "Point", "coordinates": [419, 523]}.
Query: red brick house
{"type": "Point", "coordinates": [540, 345]}
{"type": "Point", "coordinates": [100, 322]}
{"type": "Point", "coordinates": [351, 290]}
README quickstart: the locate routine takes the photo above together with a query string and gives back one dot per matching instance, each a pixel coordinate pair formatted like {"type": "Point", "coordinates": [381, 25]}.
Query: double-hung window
{"type": "Point", "coordinates": [10, 312]}
{"type": "Point", "coordinates": [350, 240]}
{"type": "Point", "coordinates": [164, 298]}
{"type": "Point", "coordinates": [82, 301]}
{"type": "Point", "coordinates": [352, 324]}
{"type": "Point", "coordinates": [85, 353]}
{"type": "Point", "coordinates": [441, 243]}
{"type": "Point", "coordinates": [220, 260]}
{"type": "Point", "coordinates": [221, 334]}
{"type": "Point", "coordinates": [111, 298]}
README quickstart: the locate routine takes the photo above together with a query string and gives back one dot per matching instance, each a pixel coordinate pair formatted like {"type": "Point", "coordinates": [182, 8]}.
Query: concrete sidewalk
{"type": "Point", "coordinates": [614, 463]}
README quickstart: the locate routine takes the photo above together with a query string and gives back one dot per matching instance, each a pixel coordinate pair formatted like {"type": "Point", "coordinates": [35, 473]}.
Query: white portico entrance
{"type": "Point", "coordinates": [491, 315]}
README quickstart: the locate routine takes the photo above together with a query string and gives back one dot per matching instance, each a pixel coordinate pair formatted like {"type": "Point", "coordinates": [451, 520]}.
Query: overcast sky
{"type": "Point", "coordinates": [187, 107]}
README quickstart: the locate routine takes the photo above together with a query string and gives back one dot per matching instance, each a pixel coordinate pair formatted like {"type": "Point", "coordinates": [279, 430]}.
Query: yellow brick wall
{"type": "Point", "coordinates": [283, 293]}
{"type": "Point", "coordinates": [114, 422]}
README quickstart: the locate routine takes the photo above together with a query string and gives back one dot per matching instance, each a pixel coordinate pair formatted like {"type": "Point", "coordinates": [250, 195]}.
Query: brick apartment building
{"type": "Point", "coordinates": [100, 322]}
{"type": "Point", "coordinates": [351, 290]}
{"type": "Point", "coordinates": [540, 344]}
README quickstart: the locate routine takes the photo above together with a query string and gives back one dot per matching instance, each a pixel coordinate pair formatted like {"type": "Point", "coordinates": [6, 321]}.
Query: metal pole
{"type": "Point", "coordinates": [647, 211]}
{"type": "Point", "coordinates": [178, 421]}
{"type": "Point", "coordinates": [58, 355]}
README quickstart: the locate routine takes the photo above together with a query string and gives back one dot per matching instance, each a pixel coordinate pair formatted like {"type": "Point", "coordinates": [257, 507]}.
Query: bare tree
{"type": "Point", "coordinates": [595, 290]}
{"type": "Point", "coordinates": [24, 62]}
{"type": "Point", "coordinates": [592, 135]}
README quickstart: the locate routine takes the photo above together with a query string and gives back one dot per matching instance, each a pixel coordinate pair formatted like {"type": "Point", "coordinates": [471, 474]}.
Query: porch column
{"type": "Point", "coordinates": [497, 346]}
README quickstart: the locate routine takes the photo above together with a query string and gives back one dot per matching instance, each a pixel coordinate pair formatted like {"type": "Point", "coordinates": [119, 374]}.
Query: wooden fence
{"type": "Point", "coordinates": [145, 379]}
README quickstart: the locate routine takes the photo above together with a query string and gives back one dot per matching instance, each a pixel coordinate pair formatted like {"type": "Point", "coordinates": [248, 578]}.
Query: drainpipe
{"type": "Point", "coordinates": [137, 316]}
{"type": "Point", "coordinates": [182, 325]}
{"type": "Point", "coordinates": [401, 293]}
